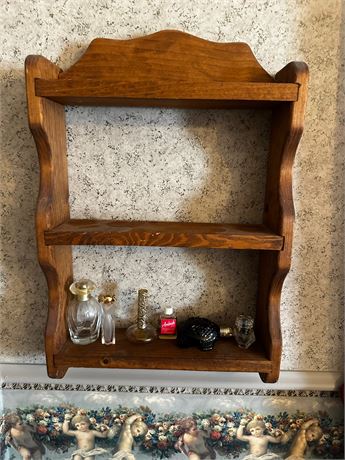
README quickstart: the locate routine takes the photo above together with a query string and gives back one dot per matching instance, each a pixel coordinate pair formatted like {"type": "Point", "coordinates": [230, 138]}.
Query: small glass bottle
{"type": "Point", "coordinates": [141, 331]}
{"type": "Point", "coordinates": [244, 331]}
{"type": "Point", "coordinates": [108, 319]}
{"type": "Point", "coordinates": [167, 328]}
{"type": "Point", "coordinates": [84, 314]}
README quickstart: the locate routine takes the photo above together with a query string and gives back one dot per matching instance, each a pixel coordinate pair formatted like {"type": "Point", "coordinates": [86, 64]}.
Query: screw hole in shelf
{"type": "Point", "coordinates": [105, 361]}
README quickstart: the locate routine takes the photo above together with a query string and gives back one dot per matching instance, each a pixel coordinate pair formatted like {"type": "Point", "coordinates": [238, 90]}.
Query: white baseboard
{"type": "Point", "coordinates": [289, 380]}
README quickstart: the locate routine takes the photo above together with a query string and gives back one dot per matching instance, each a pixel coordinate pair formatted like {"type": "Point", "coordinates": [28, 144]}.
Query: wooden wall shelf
{"type": "Point", "coordinates": [166, 69]}
{"type": "Point", "coordinates": [158, 93]}
{"type": "Point", "coordinates": [173, 234]}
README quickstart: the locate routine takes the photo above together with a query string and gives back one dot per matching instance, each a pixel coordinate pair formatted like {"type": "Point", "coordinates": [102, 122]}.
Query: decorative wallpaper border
{"type": "Point", "coordinates": [167, 390]}
{"type": "Point", "coordinates": [169, 421]}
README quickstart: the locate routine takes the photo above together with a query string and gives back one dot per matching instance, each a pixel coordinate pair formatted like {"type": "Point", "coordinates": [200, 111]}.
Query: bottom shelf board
{"type": "Point", "coordinates": [163, 354]}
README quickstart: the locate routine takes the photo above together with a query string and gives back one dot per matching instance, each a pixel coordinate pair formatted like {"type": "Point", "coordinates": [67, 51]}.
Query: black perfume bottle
{"type": "Point", "coordinates": [199, 332]}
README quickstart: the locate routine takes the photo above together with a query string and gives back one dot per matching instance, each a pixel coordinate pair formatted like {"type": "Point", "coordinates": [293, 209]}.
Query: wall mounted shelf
{"type": "Point", "coordinates": [91, 92]}
{"type": "Point", "coordinates": [166, 69]}
{"type": "Point", "coordinates": [173, 234]}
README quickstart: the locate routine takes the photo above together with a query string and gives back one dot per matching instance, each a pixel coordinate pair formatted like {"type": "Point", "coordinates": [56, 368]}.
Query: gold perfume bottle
{"type": "Point", "coordinates": [141, 331]}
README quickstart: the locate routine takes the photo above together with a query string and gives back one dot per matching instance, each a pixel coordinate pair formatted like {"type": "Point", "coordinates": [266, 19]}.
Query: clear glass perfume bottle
{"type": "Point", "coordinates": [84, 315]}
{"type": "Point", "coordinates": [141, 331]}
{"type": "Point", "coordinates": [244, 331]}
{"type": "Point", "coordinates": [108, 319]}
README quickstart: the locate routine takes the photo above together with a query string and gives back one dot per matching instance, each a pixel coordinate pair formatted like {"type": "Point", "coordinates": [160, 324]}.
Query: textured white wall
{"type": "Point", "coordinates": [179, 165]}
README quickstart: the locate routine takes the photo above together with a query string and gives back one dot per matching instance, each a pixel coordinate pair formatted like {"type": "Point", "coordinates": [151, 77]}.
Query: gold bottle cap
{"type": "Point", "coordinates": [82, 289]}
{"type": "Point", "coordinates": [225, 331]}
{"type": "Point", "coordinates": [106, 298]}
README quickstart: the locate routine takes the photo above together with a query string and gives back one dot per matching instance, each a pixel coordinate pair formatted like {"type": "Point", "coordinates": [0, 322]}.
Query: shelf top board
{"type": "Point", "coordinates": [172, 234]}
{"type": "Point", "coordinates": [163, 354]}
{"type": "Point", "coordinates": [161, 94]}
{"type": "Point", "coordinates": [168, 68]}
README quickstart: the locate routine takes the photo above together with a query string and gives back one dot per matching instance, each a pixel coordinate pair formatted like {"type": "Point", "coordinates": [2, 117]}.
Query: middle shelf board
{"type": "Point", "coordinates": [163, 234]}
{"type": "Point", "coordinates": [164, 354]}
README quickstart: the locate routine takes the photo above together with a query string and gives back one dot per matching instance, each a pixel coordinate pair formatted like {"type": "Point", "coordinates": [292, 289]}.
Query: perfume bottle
{"type": "Point", "coordinates": [141, 331]}
{"type": "Point", "coordinates": [108, 319]}
{"type": "Point", "coordinates": [167, 328]}
{"type": "Point", "coordinates": [84, 314]}
{"type": "Point", "coordinates": [244, 331]}
{"type": "Point", "coordinates": [199, 332]}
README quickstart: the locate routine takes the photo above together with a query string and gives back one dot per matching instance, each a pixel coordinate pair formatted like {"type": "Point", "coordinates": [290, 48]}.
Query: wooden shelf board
{"type": "Point", "coordinates": [184, 94]}
{"type": "Point", "coordinates": [163, 354]}
{"type": "Point", "coordinates": [162, 234]}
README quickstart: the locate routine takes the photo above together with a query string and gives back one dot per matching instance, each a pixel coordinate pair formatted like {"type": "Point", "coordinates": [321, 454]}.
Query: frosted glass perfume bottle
{"type": "Point", "coordinates": [84, 315]}
{"type": "Point", "coordinates": [141, 331]}
{"type": "Point", "coordinates": [108, 319]}
{"type": "Point", "coordinates": [244, 331]}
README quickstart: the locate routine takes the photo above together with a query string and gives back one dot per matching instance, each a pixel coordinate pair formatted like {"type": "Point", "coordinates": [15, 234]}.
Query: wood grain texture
{"type": "Point", "coordinates": [168, 55]}
{"type": "Point", "coordinates": [287, 128]}
{"type": "Point", "coordinates": [163, 354]}
{"type": "Point", "coordinates": [164, 93]}
{"type": "Point", "coordinates": [166, 69]}
{"type": "Point", "coordinates": [47, 124]}
{"type": "Point", "coordinates": [170, 69]}
{"type": "Point", "coordinates": [173, 234]}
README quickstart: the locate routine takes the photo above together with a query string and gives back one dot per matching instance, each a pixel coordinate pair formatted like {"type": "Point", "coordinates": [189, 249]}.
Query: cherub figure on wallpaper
{"type": "Point", "coordinates": [84, 436]}
{"type": "Point", "coordinates": [21, 437]}
{"type": "Point", "coordinates": [133, 427]}
{"type": "Point", "coordinates": [258, 440]}
{"type": "Point", "coordinates": [193, 442]}
{"type": "Point", "coordinates": [310, 431]}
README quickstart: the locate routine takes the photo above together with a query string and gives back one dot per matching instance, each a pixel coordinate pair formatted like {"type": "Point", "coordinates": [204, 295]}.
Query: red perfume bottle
{"type": "Point", "coordinates": [167, 328]}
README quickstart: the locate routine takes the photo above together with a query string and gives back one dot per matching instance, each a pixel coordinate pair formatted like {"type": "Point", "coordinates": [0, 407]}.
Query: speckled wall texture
{"type": "Point", "coordinates": [179, 165]}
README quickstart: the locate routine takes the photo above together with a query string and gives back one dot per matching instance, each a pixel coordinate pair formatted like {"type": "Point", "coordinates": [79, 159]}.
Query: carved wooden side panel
{"type": "Point", "coordinates": [47, 124]}
{"type": "Point", "coordinates": [287, 127]}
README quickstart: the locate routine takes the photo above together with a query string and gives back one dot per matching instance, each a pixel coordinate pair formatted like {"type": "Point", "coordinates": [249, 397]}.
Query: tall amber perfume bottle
{"type": "Point", "coordinates": [142, 330]}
